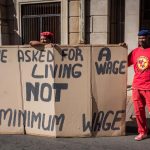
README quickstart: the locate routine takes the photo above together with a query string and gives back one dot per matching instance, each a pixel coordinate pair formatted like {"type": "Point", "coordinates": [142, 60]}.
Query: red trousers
{"type": "Point", "coordinates": [141, 98]}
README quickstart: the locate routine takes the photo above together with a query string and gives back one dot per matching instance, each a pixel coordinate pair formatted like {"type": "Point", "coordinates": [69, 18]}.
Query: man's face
{"type": "Point", "coordinates": [143, 41]}
{"type": "Point", "coordinates": [44, 39]}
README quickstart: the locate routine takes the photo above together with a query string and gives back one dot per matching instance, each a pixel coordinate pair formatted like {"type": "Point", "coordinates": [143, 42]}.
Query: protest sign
{"type": "Point", "coordinates": [11, 106]}
{"type": "Point", "coordinates": [109, 64]}
{"type": "Point", "coordinates": [56, 90]}
{"type": "Point", "coordinates": [76, 99]}
{"type": "Point", "coordinates": [37, 89]}
{"type": "Point", "coordinates": [76, 91]}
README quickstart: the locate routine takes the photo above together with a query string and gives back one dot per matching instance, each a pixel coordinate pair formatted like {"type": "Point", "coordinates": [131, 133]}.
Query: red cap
{"type": "Point", "coordinates": [47, 34]}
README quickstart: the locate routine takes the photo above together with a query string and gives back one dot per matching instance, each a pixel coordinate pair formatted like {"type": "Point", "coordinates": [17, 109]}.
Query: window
{"type": "Point", "coordinates": [117, 18]}
{"type": "Point", "coordinates": [145, 14]}
{"type": "Point", "coordinates": [36, 18]}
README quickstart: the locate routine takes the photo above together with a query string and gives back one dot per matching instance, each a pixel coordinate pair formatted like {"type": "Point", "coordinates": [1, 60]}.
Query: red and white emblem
{"type": "Point", "coordinates": [142, 63]}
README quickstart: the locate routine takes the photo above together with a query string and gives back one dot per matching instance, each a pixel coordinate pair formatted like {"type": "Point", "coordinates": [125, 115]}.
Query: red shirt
{"type": "Point", "coordinates": [140, 58]}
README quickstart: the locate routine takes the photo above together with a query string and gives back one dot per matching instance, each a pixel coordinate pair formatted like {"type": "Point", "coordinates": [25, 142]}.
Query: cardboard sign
{"type": "Point", "coordinates": [75, 100]}
{"type": "Point", "coordinates": [109, 80]}
{"type": "Point", "coordinates": [47, 92]}
{"type": "Point", "coordinates": [11, 120]}
{"type": "Point", "coordinates": [56, 90]}
{"type": "Point", "coordinates": [38, 90]}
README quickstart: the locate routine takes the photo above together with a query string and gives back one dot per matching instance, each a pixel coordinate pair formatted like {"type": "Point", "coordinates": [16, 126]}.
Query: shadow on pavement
{"type": "Point", "coordinates": [131, 127]}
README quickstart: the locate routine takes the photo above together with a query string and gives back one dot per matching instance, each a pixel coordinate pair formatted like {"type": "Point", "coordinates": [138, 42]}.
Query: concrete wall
{"type": "Point", "coordinates": [74, 21]}
{"type": "Point", "coordinates": [96, 21]}
{"type": "Point", "coordinates": [131, 30]}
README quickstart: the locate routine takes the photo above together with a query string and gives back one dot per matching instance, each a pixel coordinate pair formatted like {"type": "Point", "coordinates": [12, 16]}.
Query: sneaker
{"type": "Point", "coordinates": [140, 137]}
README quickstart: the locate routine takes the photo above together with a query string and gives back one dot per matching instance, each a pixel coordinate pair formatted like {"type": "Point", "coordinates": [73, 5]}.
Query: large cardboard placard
{"type": "Point", "coordinates": [56, 90]}
{"type": "Point", "coordinates": [48, 92]}
{"type": "Point", "coordinates": [75, 101]}
{"type": "Point", "coordinates": [38, 90]}
{"type": "Point", "coordinates": [11, 119]}
{"type": "Point", "coordinates": [109, 80]}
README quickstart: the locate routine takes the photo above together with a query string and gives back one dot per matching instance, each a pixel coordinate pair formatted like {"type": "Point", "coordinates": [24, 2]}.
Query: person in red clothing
{"type": "Point", "coordinates": [140, 59]}
{"type": "Point", "coordinates": [45, 39]}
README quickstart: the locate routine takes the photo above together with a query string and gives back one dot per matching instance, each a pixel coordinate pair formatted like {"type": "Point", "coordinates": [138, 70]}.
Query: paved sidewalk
{"type": "Point", "coordinates": [27, 142]}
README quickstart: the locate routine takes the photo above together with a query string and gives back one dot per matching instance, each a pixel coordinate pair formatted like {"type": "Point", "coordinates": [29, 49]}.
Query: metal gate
{"type": "Point", "coordinates": [36, 18]}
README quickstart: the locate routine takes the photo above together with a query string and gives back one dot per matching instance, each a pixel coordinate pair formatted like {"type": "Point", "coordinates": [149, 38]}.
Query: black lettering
{"type": "Point", "coordinates": [29, 118]}
{"type": "Point", "coordinates": [49, 122]}
{"type": "Point", "coordinates": [100, 68]}
{"type": "Point", "coordinates": [60, 71]}
{"type": "Point", "coordinates": [64, 54]}
{"type": "Point", "coordinates": [34, 56]}
{"type": "Point", "coordinates": [86, 125]}
{"type": "Point", "coordinates": [122, 67]}
{"type": "Point", "coordinates": [58, 120]}
{"type": "Point", "coordinates": [54, 70]}
{"type": "Point", "coordinates": [34, 89]}
{"type": "Point", "coordinates": [28, 56]}
{"type": "Point", "coordinates": [107, 125]}
{"type": "Point", "coordinates": [67, 70]}
{"type": "Point", "coordinates": [3, 57]}
{"type": "Point", "coordinates": [59, 87]}
{"type": "Point", "coordinates": [117, 119]}
{"type": "Point", "coordinates": [79, 54]}
{"type": "Point", "coordinates": [94, 116]}
{"type": "Point", "coordinates": [115, 69]}
{"type": "Point", "coordinates": [76, 74]}
{"type": "Point", "coordinates": [20, 56]}
{"type": "Point", "coordinates": [5, 112]}
{"type": "Point", "coordinates": [109, 67]}
{"type": "Point", "coordinates": [22, 114]}
{"type": "Point", "coordinates": [104, 52]}
{"type": "Point", "coordinates": [14, 118]}
{"type": "Point", "coordinates": [36, 118]}
{"type": "Point", "coordinates": [42, 94]}
{"type": "Point", "coordinates": [72, 54]}
{"type": "Point", "coordinates": [41, 56]}
{"type": "Point", "coordinates": [99, 121]}
{"type": "Point", "coordinates": [46, 71]}
{"type": "Point", "coordinates": [34, 75]}
{"type": "Point", "coordinates": [50, 56]}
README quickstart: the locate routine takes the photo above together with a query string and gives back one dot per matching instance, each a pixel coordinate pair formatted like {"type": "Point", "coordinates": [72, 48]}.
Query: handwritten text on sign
{"type": "Point", "coordinates": [100, 120]}
{"type": "Point", "coordinates": [31, 119]}
{"type": "Point", "coordinates": [109, 67]}
{"type": "Point", "coordinates": [72, 70]}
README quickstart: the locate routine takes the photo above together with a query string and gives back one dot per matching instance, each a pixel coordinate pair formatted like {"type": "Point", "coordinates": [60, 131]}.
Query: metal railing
{"type": "Point", "coordinates": [40, 17]}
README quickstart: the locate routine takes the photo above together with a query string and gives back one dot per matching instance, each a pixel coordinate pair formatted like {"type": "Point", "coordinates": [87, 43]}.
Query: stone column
{"type": "Point", "coordinates": [74, 22]}
{"type": "Point", "coordinates": [99, 22]}
{"type": "Point", "coordinates": [82, 21]}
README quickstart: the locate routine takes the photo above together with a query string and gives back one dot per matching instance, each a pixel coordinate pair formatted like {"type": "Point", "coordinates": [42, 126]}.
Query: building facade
{"type": "Point", "coordinates": [74, 21]}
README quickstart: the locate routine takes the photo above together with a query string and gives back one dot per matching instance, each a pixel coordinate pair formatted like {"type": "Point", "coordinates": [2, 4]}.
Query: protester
{"type": "Point", "coordinates": [140, 59]}
{"type": "Point", "coordinates": [45, 39]}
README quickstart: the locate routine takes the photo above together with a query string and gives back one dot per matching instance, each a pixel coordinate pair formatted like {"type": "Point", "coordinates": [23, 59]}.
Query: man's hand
{"type": "Point", "coordinates": [123, 45]}
{"type": "Point", "coordinates": [48, 45]}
